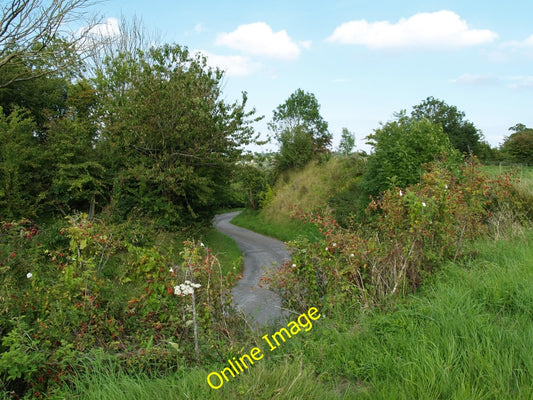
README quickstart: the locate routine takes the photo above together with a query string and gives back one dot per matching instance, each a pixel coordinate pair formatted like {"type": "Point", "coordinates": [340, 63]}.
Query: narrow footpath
{"type": "Point", "coordinates": [259, 252]}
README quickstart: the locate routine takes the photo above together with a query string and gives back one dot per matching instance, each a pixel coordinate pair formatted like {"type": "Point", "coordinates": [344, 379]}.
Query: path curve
{"type": "Point", "coordinates": [260, 304]}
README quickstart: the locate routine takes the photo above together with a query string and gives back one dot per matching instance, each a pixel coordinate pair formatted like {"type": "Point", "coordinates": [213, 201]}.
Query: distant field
{"type": "Point", "coordinates": [525, 173]}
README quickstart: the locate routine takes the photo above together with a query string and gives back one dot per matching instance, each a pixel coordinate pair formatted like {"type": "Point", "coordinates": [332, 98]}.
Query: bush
{"type": "Point", "coordinates": [401, 148]}
{"type": "Point", "coordinates": [411, 232]}
{"type": "Point", "coordinates": [98, 292]}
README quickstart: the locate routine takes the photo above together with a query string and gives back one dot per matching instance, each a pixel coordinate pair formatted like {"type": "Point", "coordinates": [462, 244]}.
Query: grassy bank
{"type": "Point", "coordinates": [285, 230]}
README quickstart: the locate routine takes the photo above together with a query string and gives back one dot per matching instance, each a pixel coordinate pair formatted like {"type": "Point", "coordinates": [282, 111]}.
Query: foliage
{"type": "Point", "coordinates": [252, 182]}
{"type": "Point", "coordinates": [300, 130]}
{"type": "Point", "coordinates": [97, 292]}
{"type": "Point", "coordinates": [413, 230]}
{"type": "Point", "coordinates": [519, 145]}
{"type": "Point", "coordinates": [52, 119]}
{"type": "Point", "coordinates": [169, 138]}
{"type": "Point", "coordinates": [349, 198]}
{"type": "Point", "coordinates": [20, 166]}
{"type": "Point", "coordinates": [347, 142]}
{"type": "Point", "coordinates": [401, 148]}
{"type": "Point", "coordinates": [463, 135]}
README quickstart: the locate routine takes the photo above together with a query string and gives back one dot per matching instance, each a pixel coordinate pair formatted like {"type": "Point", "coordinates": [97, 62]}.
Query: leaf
{"type": "Point", "coordinates": [175, 346]}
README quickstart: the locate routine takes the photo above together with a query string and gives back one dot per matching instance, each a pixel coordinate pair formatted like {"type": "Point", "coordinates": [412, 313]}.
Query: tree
{"type": "Point", "coordinates": [50, 120]}
{"type": "Point", "coordinates": [29, 30]}
{"type": "Point", "coordinates": [462, 133]}
{"type": "Point", "coordinates": [518, 147]}
{"type": "Point", "coordinates": [401, 148]}
{"type": "Point", "coordinates": [168, 137]}
{"type": "Point", "coordinates": [300, 130]}
{"type": "Point", "coordinates": [347, 142]}
{"type": "Point", "coordinates": [21, 165]}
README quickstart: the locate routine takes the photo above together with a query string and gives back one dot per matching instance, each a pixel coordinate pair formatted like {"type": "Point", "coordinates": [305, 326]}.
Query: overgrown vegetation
{"type": "Point", "coordinates": [112, 286]}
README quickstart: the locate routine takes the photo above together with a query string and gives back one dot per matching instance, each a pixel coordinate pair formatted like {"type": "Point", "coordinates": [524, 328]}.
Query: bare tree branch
{"type": "Point", "coordinates": [29, 27]}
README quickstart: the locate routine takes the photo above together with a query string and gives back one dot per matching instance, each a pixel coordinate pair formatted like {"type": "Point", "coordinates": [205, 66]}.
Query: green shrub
{"type": "Point", "coordinates": [412, 231]}
{"type": "Point", "coordinates": [98, 292]}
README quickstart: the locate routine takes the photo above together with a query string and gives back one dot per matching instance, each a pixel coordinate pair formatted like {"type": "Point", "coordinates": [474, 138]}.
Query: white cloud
{"type": "Point", "coordinates": [521, 44]}
{"type": "Point", "coordinates": [514, 82]}
{"type": "Point", "coordinates": [108, 29]}
{"type": "Point", "coordinates": [472, 79]}
{"type": "Point", "coordinates": [521, 82]}
{"type": "Point", "coordinates": [232, 65]}
{"type": "Point", "coordinates": [259, 39]}
{"type": "Point", "coordinates": [423, 30]}
{"type": "Point", "coordinates": [198, 28]}
{"type": "Point", "coordinates": [306, 44]}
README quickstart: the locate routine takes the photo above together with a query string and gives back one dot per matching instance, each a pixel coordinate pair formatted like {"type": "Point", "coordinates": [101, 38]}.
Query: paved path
{"type": "Point", "coordinates": [259, 252]}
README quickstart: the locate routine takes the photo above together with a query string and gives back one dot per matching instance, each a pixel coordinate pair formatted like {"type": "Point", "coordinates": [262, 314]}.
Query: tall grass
{"type": "Point", "coordinates": [290, 379]}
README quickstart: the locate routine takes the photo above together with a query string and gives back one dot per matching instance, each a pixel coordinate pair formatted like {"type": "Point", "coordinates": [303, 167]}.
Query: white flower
{"type": "Point", "coordinates": [423, 204]}
{"type": "Point", "coordinates": [29, 275]}
{"type": "Point", "coordinates": [171, 270]}
{"type": "Point", "coordinates": [327, 249]}
{"type": "Point", "coordinates": [401, 193]}
{"type": "Point", "coordinates": [294, 265]}
{"type": "Point", "coordinates": [352, 255]}
{"type": "Point", "coordinates": [334, 244]}
{"type": "Point", "coordinates": [201, 244]}
{"type": "Point", "coordinates": [445, 186]}
{"type": "Point", "coordinates": [186, 288]}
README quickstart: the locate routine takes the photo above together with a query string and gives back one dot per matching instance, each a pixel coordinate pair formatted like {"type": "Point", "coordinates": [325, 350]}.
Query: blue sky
{"type": "Point", "coordinates": [363, 59]}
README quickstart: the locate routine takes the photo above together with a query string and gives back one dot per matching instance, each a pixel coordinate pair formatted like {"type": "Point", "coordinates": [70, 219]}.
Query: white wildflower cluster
{"type": "Point", "coordinates": [186, 288]}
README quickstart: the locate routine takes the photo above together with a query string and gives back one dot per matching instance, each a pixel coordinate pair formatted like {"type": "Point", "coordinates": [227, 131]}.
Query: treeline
{"type": "Point", "coordinates": [143, 132]}
{"type": "Point", "coordinates": [433, 130]}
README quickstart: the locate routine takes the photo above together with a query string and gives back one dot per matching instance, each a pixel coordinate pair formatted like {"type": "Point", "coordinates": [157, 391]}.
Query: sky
{"type": "Point", "coordinates": [364, 60]}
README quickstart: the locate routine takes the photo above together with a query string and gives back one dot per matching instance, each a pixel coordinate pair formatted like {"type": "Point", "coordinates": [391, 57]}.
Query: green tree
{"type": "Point", "coordinates": [300, 130]}
{"type": "Point", "coordinates": [518, 147]}
{"type": "Point", "coordinates": [347, 142]}
{"type": "Point", "coordinates": [401, 148]}
{"type": "Point", "coordinates": [169, 137]}
{"type": "Point", "coordinates": [462, 133]}
{"type": "Point", "coordinates": [21, 166]}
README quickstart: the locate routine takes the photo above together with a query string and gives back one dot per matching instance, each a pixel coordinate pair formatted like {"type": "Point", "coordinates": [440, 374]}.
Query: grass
{"type": "Point", "coordinates": [284, 231]}
{"type": "Point", "coordinates": [288, 380]}
{"type": "Point", "coordinates": [225, 249]}
{"type": "Point", "coordinates": [525, 174]}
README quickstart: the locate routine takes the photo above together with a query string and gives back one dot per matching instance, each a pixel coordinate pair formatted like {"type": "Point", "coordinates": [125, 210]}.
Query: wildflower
{"type": "Point", "coordinates": [327, 249]}
{"type": "Point", "coordinates": [201, 244]}
{"type": "Point", "coordinates": [294, 265]}
{"type": "Point", "coordinates": [186, 288]}
{"type": "Point", "coordinates": [171, 270]}
{"type": "Point", "coordinates": [334, 244]}
{"type": "Point", "coordinates": [423, 204]}
{"type": "Point", "coordinates": [352, 255]}
{"type": "Point", "coordinates": [401, 193]}
{"type": "Point", "coordinates": [29, 275]}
